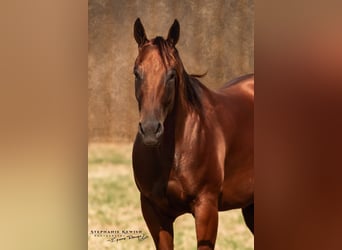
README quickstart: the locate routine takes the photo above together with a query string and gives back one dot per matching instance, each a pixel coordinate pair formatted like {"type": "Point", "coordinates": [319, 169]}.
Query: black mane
{"type": "Point", "coordinates": [192, 90]}
{"type": "Point", "coordinates": [163, 48]}
{"type": "Point", "coordinates": [191, 84]}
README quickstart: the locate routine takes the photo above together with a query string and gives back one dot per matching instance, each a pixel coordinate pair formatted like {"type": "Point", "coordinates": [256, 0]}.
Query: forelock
{"type": "Point", "coordinates": [164, 49]}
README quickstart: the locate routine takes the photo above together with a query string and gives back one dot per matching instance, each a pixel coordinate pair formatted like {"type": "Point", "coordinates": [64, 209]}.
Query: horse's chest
{"type": "Point", "coordinates": [171, 195]}
{"type": "Point", "coordinates": [181, 185]}
{"type": "Point", "coordinates": [173, 190]}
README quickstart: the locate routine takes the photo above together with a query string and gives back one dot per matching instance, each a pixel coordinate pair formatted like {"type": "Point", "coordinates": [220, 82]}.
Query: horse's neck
{"type": "Point", "coordinates": [183, 117]}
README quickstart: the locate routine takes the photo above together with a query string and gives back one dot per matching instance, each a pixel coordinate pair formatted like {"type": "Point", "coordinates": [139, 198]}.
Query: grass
{"type": "Point", "coordinates": [113, 204]}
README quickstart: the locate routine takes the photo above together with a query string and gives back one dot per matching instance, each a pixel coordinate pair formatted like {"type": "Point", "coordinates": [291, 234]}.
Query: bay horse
{"type": "Point", "coordinates": [193, 152]}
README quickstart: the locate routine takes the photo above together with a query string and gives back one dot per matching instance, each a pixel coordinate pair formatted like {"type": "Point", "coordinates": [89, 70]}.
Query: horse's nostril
{"type": "Point", "coordinates": [150, 128]}
{"type": "Point", "coordinates": [158, 128]}
{"type": "Point", "coordinates": [141, 128]}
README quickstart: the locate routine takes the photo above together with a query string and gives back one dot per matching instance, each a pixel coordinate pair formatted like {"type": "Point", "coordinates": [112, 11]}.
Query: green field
{"type": "Point", "coordinates": [113, 204]}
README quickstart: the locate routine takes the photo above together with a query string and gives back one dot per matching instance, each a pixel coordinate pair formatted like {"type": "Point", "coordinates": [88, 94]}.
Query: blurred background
{"type": "Point", "coordinates": [44, 104]}
{"type": "Point", "coordinates": [215, 36]}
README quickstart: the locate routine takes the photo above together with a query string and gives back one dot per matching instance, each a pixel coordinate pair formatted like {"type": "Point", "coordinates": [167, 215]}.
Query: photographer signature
{"type": "Point", "coordinates": [118, 238]}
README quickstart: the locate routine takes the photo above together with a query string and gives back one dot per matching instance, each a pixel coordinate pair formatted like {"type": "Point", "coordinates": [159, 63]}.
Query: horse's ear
{"type": "Point", "coordinates": [173, 35]}
{"type": "Point", "coordinates": [139, 33]}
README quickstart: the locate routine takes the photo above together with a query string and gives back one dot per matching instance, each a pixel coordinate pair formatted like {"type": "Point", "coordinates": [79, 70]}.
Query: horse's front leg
{"type": "Point", "coordinates": [206, 219]}
{"type": "Point", "coordinates": [160, 226]}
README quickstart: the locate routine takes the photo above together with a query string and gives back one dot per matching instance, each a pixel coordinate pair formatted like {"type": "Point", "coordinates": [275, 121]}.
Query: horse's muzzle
{"type": "Point", "coordinates": [151, 132]}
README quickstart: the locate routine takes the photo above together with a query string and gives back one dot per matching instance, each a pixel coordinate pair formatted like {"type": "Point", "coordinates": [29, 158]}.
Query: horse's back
{"type": "Point", "coordinates": [236, 99]}
{"type": "Point", "coordinates": [244, 83]}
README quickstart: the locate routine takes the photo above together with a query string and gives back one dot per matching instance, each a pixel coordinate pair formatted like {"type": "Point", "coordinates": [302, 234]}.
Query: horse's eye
{"type": "Point", "coordinates": [137, 75]}
{"type": "Point", "coordinates": [171, 76]}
